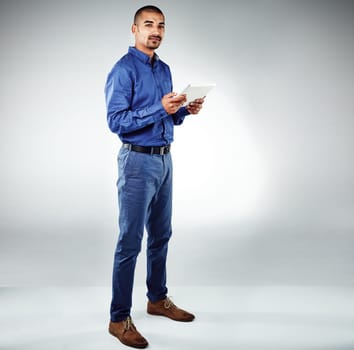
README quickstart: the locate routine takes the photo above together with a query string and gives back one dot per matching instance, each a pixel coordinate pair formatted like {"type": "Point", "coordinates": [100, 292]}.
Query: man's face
{"type": "Point", "coordinates": [149, 31]}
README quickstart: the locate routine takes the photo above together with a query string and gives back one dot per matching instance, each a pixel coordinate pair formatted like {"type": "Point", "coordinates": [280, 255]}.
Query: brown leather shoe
{"type": "Point", "coordinates": [167, 308]}
{"type": "Point", "coordinates": [126, 332]}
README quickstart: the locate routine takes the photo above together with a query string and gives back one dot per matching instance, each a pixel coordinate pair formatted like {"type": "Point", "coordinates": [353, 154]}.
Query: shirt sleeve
{"type": "Point", "coordinates": [179, 116]}
{"type": "Point", "coordinates": [119, 93]}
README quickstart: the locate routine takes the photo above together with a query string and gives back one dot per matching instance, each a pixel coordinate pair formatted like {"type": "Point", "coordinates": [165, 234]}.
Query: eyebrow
{"type": "Point", "coordinates": [148, 21]}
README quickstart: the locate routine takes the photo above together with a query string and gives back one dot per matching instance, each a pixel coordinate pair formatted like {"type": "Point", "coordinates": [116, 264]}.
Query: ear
{"type": "Point", "coordinates": [134, 28]}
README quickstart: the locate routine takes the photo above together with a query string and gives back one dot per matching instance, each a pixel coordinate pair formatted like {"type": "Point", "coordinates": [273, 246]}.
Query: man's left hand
{"type": "Point", "coordinates": [195, 106]}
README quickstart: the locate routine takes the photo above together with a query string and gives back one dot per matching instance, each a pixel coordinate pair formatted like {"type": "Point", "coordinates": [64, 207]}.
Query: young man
{"type": "Point", "coordinates": [142, 110]}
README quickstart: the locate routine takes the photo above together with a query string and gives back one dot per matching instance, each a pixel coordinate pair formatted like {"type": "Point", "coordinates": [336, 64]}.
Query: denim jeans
{"type": "Point", "coordinates": [145, 201]}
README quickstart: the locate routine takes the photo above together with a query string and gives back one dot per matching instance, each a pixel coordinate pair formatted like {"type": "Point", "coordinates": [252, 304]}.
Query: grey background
{"type": "Point", "coordinates": [264, 176]}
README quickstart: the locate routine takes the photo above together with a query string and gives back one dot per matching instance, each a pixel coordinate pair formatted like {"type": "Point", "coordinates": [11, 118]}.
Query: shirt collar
{"type": "Point", "coordinates": [142, 56]}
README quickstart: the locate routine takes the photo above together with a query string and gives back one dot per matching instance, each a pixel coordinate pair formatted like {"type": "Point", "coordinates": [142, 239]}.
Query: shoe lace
{"type": "Point", "coordinates": [168, 303]}
{"type": "Point", "coordinates": [128, 324]}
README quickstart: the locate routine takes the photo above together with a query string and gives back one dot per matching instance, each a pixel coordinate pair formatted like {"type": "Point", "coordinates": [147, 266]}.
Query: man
{"type": "Point", "coordinates": [142, 110]}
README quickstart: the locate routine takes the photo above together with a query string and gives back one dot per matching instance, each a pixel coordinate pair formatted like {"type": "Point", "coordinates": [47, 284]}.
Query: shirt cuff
{"type": "Point", "coordinates": [158, 111]}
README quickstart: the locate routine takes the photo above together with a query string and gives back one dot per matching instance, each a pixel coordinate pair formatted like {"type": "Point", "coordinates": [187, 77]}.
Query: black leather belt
{"type": "Point", "coordinates": [151, 150]}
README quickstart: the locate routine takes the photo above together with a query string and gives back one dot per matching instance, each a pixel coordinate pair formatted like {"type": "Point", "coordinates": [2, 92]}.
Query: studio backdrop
{"type": "Point", "coordinates": [263, 176]}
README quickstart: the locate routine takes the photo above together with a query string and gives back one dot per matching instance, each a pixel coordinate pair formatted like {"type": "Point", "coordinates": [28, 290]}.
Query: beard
{"type": "Point", "coordinates": [154, 45]}
{"type": "Point", "coordinates": [153, 42]}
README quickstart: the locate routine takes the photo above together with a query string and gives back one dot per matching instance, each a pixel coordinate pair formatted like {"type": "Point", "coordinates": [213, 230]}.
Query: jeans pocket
{"type": "Point", "coordinates": [123, 156]}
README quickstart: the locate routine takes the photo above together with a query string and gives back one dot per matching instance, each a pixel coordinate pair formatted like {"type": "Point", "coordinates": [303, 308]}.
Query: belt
{"type": "Point", "coordinates": [150, 150]}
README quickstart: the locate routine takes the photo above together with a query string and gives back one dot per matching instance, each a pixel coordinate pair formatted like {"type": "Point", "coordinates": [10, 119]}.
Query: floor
{"type": "Point", "coordinates": [242, 318]}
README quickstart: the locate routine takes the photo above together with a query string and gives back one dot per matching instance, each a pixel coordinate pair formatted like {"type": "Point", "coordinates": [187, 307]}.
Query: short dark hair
{"type": "Point", "coordinates": [149, 8]}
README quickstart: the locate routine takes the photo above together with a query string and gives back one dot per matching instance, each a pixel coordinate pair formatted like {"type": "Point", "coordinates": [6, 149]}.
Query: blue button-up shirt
{"type": "Point", "coordinates": [134, 90]}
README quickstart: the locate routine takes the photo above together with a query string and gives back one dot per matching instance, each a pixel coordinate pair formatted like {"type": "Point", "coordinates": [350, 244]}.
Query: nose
{"type": "Point", "coordinates": [157, 30]}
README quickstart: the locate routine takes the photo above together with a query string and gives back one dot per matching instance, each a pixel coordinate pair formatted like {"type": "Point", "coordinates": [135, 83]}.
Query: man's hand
{"type": "Point", "coordinates": [173, 102]}
{"type": "Point", "coordinates": [195, 106]}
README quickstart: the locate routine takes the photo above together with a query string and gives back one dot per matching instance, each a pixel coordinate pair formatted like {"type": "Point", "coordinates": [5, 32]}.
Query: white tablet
{"type": "Point", "coordinates": [196, 91]}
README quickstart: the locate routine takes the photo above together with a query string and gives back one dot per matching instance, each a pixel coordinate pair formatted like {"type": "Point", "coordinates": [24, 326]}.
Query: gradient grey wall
{"type": "Point", "coordinates": [264, 176]}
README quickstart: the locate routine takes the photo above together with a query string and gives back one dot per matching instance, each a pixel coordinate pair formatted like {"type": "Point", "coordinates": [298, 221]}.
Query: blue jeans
{"type": "Point", "coordinates": [145, 200]}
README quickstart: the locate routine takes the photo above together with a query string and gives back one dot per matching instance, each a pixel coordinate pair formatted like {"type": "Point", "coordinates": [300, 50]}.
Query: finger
{"type": "Point", "coordinates": [171, 94]}
{"type": "Point", "coordinates": [179, 99]}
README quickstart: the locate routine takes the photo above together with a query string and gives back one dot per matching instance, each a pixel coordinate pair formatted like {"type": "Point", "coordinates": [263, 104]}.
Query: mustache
{"type": "Point", "coordinates": [155, 37]}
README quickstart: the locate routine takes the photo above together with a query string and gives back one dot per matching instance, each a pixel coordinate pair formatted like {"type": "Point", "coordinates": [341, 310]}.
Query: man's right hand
{"type": "Point", "coordinates": [173, 102]}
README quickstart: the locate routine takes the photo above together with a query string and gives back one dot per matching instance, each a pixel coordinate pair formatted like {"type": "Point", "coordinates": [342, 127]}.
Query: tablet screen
{"type": "Point", "coordinates": [196, 91]}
